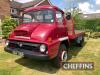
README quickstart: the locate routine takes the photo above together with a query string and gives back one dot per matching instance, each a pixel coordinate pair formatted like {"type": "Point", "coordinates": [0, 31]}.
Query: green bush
{"type": "Point", "coordinates": [92, 25]}
{"type": "Point", "coordinates": [8, 24]}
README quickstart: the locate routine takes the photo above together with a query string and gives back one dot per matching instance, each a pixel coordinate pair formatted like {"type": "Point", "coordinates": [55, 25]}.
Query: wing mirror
{"type": "Point", "coordinates": [68, 16]}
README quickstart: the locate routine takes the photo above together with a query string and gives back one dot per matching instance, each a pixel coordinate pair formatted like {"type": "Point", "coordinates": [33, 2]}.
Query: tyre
{"type": "Point", "coordinates": [80, 41]}
{"type": "Point", "coordinates": [61, 56]}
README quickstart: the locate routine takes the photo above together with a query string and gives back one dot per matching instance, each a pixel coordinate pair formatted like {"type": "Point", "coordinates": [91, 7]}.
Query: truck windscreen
{"type": "Point", "coordinates": [45, 16]}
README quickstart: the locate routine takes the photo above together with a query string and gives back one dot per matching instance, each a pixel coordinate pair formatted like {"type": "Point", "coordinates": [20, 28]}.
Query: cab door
{"type": "Point", "coordinates": [61, 29]}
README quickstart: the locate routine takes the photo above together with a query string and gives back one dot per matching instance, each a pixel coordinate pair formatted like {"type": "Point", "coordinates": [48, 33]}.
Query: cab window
{"type": "Point", "coordinates": [59, 17]}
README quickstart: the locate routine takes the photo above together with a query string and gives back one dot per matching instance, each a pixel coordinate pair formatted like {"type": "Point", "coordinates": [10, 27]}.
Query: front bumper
{"type": "Point", "coordinates": [29, 54]}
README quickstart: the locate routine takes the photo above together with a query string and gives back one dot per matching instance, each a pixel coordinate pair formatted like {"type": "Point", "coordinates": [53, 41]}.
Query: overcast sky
{"type": "Point", "coordinates": [87, 6]}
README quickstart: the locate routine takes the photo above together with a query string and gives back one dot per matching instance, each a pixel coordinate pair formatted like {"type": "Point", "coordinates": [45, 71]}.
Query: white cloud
{"type": "Point", "coordinates": [97, 1]}
{"type": "Point", "coordinates": [85, 7]}
{"type": "Point", "coordinates": [97, 6]}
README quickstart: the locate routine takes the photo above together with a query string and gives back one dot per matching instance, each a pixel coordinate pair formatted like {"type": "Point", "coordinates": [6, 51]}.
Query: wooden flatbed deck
{"type": "Point", "coordinates": [77, 33]}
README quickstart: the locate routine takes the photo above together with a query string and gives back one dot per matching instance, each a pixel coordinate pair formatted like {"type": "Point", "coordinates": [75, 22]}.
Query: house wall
{"type": "Point", "coordinates": [90, 16]}
{"type": "Point", "coordinates": [4, 8]}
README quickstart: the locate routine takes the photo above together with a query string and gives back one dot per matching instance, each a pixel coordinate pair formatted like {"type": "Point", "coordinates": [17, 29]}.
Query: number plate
{"type": "Point", "coordinates": [18, 53]}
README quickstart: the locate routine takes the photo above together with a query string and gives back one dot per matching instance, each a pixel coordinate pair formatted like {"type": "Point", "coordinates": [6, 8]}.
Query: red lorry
{"type": "Point", "coordinates": [44, 34]}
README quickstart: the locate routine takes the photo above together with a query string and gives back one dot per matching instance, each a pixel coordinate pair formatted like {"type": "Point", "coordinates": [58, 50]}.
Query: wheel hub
{"type": "Point", "coordinates": [64, 56]}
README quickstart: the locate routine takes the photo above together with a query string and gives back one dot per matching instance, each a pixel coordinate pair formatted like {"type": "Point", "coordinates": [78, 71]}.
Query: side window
{"type": "Point", "coordinates": [27, 18]}
{"type": "Point", "coordinates": [59, 17]}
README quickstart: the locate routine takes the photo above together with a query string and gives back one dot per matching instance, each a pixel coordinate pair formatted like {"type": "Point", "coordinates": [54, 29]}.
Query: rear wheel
{"type": "Point", "coordinates": [80, 41]}
{"type": "Point", "coordinates": [61, 56]}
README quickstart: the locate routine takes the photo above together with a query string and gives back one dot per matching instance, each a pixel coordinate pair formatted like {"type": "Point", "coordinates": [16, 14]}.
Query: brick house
{"type": "Point", "coordinates": [17, 8]}
{"type": "Point", "coordinates": [4, 8]}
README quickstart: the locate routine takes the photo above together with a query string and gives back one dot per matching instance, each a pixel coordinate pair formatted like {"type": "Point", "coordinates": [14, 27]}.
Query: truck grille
{"type": "Point", "coordinates": [20, 33]}
{"type": "Point", "coordinates": [24, 46]}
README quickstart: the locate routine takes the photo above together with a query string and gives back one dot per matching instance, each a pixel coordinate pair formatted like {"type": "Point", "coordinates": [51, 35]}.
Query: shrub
{"type": "Point", "coordinates": [92, 25]}
{"type": "Point", "coordinates": [8, 24]}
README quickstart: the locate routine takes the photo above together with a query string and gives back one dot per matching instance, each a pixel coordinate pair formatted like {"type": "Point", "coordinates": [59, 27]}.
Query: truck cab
{"type": "Point", "coordinates": [45, 33]}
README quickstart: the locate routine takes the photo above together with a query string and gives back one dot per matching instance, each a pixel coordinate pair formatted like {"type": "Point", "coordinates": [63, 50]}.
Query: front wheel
{"type": "Point", "coordinates": [61, 56]}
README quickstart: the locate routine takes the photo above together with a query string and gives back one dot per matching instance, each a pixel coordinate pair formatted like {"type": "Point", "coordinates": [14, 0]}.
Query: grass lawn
{"type": "Point", "coordinates": [14, 65]}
